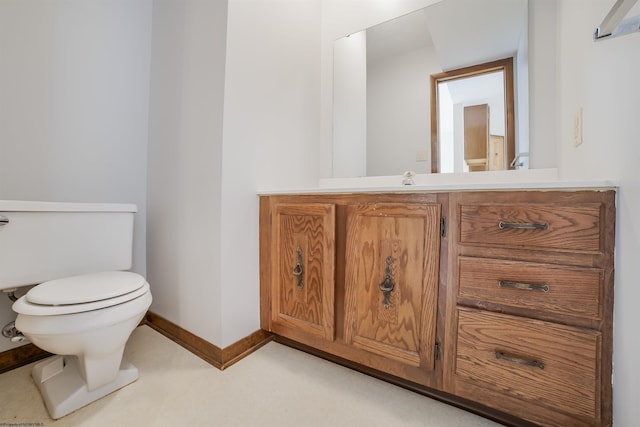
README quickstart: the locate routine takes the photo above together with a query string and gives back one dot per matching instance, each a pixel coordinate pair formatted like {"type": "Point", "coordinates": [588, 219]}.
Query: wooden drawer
{"type": "Point", "coordinates": [572, 291]}
{"type": "Point", "coordinates": [546, 364]}
{"type": "Point", "coordinates": [570, 227]}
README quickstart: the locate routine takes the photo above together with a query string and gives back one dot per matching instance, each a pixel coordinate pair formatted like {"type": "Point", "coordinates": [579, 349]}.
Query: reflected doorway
{"type": "Point", "coordinates": [472, 118]}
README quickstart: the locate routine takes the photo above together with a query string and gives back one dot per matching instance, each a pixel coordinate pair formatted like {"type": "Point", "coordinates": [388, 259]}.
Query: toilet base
{"type": "Point", "coordinates": [64, 390]}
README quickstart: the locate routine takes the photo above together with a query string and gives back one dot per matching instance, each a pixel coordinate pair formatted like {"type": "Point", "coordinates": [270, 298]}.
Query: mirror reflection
{"type": "Point", "coordinates": [382, 84]}
{"type": "Point", "coordinates": [472, 118]}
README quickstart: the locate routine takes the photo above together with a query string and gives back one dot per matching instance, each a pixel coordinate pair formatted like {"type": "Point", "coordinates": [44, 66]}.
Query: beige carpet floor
{"type": "Point", "coordinates": [274, 386]}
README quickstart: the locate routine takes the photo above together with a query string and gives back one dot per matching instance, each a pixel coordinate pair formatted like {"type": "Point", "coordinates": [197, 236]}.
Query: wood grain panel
{"type": "Point", "coordinates": [476, 136]}
{"type": "Point", "coordinates": [408, 234]}
{"type": "Point", "coordinates": [565, 383]}
{"type": "Point", "coordinates": [265, 263]}
{"type": "Point", "coordinates": [574, 227]}
{"type": "Point", "coordinates": [309, 228]}
{"type": "Point", "coordinates": [573, 291]}
{"type": "Point", "coordinates": [496, 153]}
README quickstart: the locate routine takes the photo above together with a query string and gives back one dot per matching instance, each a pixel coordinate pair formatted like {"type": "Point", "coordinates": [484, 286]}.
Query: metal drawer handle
{"type": "Point", "coordinates": [4, 220]}
{"type": "Point", "coordinates": [522, 226]}
{"type": "Point", "coordinates": [527, 362]}
{"type": "Point", "coordinates": [523, 286]}
{"type": "Point", "coordinates": [387, 285]}
{"type": "Point", "coordinates": [297, 270]}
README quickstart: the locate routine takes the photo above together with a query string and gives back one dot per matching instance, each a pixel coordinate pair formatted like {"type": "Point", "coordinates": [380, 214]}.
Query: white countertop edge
{"type": "Point", "coordinates": [566, 185]}
{"type": "Point", "coordinates": [534, 179]}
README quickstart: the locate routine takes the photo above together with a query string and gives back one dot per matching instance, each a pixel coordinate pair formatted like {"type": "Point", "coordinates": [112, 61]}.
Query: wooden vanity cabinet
{"type": "Point", "coordinates": [500, 302]}
{"type": "Point", "coordinates": [531, 314]}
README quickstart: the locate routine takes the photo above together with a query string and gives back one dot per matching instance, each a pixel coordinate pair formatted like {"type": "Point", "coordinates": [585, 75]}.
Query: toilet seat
{"type": "Point", "coordinates": [82, 293]}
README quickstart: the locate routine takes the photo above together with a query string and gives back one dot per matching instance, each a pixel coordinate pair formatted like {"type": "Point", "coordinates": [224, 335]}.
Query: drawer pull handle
{"type": "Point", "coordinates": [297, 270]}
{"type": "Point", "coordinates": [522, 226]}
{"type": "Point", "coordinates": [523, 286]}
{"type": "Point", "coordinates": [387, 285]}
{"type": "Point", "coordinates": [526, 362]}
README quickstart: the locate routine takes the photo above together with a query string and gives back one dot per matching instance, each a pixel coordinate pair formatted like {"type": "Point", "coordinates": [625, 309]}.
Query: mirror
{"type": "Point", "coordinates": [382, 87]}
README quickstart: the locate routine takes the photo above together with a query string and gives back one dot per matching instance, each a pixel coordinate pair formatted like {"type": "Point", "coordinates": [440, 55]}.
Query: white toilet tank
{"type": "Point", "coordinates": [42, 241]}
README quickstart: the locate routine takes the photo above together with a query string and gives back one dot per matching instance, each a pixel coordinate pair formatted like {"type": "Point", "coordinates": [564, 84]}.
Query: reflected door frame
{"type": "Point", "coordinates": [504, 65]}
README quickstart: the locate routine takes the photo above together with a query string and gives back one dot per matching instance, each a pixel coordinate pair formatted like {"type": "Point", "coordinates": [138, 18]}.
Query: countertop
{"type": "Point", "coordinates": [532, 179]}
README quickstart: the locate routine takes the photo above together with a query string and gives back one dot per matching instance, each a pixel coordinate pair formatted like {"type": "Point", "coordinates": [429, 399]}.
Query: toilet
{"type": "Point", "coordinates": [85, 303]}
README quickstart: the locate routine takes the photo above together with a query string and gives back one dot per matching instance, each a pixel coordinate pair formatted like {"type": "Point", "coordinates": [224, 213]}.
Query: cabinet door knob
{"type": "Point", "coordinates": [387, 285]}
{"type": "Point", "coordinates": [297, 270]}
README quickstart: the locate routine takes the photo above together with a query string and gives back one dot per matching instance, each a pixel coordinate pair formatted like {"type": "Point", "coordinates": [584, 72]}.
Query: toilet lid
{"type": "Point", "coordinates": [120, 282]}
{"type": "Point", "coordinates": [85, 288]}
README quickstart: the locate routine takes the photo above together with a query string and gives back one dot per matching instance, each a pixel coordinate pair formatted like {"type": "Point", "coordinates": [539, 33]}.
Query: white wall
{"type": "Point", "coordinates": [521, 76]}
{"type": "Point", "coordinates": [398, 118]}
{"type": "Point", "coordinates": [350, 106]}
{"type": "Point", "coordinates": [83, 100]}
{"type": "Point", "coordinates": [234, 106]}
{"type": "Point", "coordinates": [272, 89]}
{"type": "Point", "coordinates": [602, 78]}
{"type": "Point", "coordinates": [543, 83]}
{"type": "Point", "coordinates": [271, 128]}
{"type": "Point", "coordinates": [74, 87]}
{"type": "Point", "coordinates": [185, 163]}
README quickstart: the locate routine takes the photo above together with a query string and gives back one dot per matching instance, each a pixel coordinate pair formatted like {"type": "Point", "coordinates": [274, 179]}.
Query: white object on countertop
{"type": "Point", "coordinates": [407, 178]}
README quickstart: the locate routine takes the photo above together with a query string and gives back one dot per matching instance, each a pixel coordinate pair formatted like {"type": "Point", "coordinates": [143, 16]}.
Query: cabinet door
{"type": "Point", "coordinates": [392, 268]}
{"type": "Point", "coordinates": [302, 256]}
{"type": "Point", "coordinates": [476, 136]}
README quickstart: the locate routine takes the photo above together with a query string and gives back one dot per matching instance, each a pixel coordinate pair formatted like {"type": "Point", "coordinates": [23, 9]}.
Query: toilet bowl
{"type": "Point", "coordinates": [86, 320]}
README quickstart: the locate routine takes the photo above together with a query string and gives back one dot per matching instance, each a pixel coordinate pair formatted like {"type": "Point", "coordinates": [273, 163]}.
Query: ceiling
{"type": "Point", "coordinates": [463, 32]}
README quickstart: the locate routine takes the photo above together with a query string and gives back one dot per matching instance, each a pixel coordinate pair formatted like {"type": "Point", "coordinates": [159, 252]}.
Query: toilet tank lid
{"type": "Point", "coordinates": [85, 288]}
{"type": "Point", "coordinates": [37, 206]}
